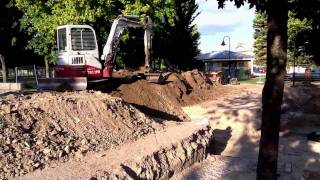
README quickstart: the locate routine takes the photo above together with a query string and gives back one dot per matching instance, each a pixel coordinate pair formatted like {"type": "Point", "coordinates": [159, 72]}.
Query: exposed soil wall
{"type": "Point", "coordinates": [163, 163]}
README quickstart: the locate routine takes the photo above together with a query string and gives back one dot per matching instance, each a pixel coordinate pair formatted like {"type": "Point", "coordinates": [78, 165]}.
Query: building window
{"type": "Point", "coordinates": [225, 64]}
{"type": "Point", "coordinates": [241, 64]}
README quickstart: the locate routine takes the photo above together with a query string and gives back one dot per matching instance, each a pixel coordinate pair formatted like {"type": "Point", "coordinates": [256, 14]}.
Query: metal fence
{"type": "Point", "coordinates": [315, 76]}
{"type": "Point", "coordinates": [27, 75]}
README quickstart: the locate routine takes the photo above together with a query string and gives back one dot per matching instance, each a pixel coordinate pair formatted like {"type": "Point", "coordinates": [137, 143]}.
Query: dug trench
{"type": "Point", "coordinates": [82, 134]}
{"type": "Point", "coordinates": [45, 130]}
{"type": "Point", "coordinates": [164, 101]}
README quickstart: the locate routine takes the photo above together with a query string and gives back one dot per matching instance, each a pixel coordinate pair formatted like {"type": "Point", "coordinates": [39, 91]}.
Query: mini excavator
{"type": "Point", "coordinates": [78, 56]}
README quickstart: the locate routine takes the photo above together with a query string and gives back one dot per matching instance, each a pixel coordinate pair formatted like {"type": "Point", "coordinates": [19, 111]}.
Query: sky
{"type": "Point", "coordinates": [213, 24]}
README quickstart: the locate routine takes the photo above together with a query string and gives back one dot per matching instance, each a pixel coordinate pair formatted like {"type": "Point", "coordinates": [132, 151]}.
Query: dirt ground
{"type": "Point", "coordinates": [165, 101]}
{"type": "Point", "coordinates": [46, 128]}
{"type": "Point", "coordinates": [43, 129]}
{"type": "Point", "coordinates": [237, 119]}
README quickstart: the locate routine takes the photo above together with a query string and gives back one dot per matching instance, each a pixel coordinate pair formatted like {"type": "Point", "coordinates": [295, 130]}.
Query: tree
{"type": "Point", "coordinates": [41, 18]}
{"type": "Point", "coordinates": [131, 45]}
{"type": "Point", "coordinates": [260, 38]}
{"type": "Point", "coordinates": [5, 24]}
{"type": "Point", "coordinates": [175, 38]}
{"type": "Point", "coordinates": [9, 32]}
{"type": "Point", "coordinates": [183, 35]}
{"type": "Point", "coordinates": [309, 10]}
{"type": "Point", "coordinates": [3, 67]}
{"type": "Point", "coordinates": [272, 94]}
{"type": "Point", "coordinates": [298, 32]}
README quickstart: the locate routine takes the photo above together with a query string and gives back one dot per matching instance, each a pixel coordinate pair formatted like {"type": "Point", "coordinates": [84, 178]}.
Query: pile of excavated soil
{"type": "Point", "coordinates": [42, 129]}
{"type": "Point", "coordinates": [165, 101]}
{"type": "Point", "coordinates": [303, 99]}
{"type": "Point", "coordinates": [300, 107]}
{"type": "Point", "coordinates": [154, 100]}
{"type": "Point", "coordinates": [196, 79]}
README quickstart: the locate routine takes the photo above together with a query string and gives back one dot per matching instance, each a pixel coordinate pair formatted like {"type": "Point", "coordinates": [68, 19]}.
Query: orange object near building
{"type": "Point", "coordinates": [307, 75]}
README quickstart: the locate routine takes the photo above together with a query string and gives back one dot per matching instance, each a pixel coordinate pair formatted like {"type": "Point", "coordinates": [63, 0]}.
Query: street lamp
{"type": "Point", "coordinates": [295, 49]}
{"type": "Point", "coordinates": [223, 44]}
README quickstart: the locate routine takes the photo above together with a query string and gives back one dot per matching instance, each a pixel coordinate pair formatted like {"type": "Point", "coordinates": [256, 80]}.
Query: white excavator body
{"type": "Point", "coordinates": [78, 55]}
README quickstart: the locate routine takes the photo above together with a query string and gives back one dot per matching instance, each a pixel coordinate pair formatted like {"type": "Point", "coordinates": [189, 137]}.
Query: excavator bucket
{"type": "Point", "coordinates": [158, 78]}
{"type": "Point", "coordinates": [76, 83]}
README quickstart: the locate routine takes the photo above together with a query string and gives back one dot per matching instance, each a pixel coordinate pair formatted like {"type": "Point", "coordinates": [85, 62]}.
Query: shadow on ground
{"type": "Point", "coordinates": [238, 151]}
{"type": "Point", "coordinates": [159, 115]}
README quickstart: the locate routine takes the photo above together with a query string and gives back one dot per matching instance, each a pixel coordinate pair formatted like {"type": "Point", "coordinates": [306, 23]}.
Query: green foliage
{"type": "Point", "coordinates": [298, 31]}
{"type": "Point", "coordinates": [306, 14]}
{"type": "Point", "coordinates": [172, 22]}
{"type": "Point", "coordinates": [175, 38]}
{"type": "Point", "coordinates": [131, 45]}
{"type": "Point", "coordinates": [184, 36]}
{"type": "Point", "coordinates": [8, 26]}
{"type": "Point", "coordinates": [13, 40]}
{"type": "Point", "coordinates": [132, 49]}
{"type": "Point", "coordinates": [309, 11]}
{"type": "Point", "coordinates": [41, 19]}
{"type": "Point", "coordinates": [260, 38]}
{"type": "Point", "coordinates": [260, 5]}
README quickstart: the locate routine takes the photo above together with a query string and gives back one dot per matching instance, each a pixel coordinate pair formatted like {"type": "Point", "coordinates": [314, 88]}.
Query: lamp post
{"type": "Point", "coordinates": [223, 44]}
{"type": "Point", "coordinates": [300, 48]}
{"type": "Point", "coordinates": [294, 68]}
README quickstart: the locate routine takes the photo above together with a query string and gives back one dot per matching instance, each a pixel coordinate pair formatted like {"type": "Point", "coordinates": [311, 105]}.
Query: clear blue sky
{"type": "Point", "coordinates": [213, 24]}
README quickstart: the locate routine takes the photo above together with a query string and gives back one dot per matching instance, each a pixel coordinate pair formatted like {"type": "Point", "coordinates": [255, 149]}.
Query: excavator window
{"type": "Point", "coordinates": [62, 40]}
{"type": "Point", "coordinates": [82, 39]}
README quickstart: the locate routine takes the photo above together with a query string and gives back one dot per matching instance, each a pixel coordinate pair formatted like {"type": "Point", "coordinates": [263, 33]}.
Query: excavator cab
{"type": "Point", "coordinates": [78, 54]}
{"type": "Point", "coordinates": [77, 59]}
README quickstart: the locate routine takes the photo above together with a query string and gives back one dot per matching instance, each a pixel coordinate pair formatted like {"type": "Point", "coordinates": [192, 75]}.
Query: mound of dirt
{"type": "Point", "coordinates": [302, 99]}
{"type": "Point", "coordinates": [45, 128]}
{"type": "Point", "coordinates": [300, 108]}
{"type": "Point", "coordinates": [165, 101]}
{"type": "Point", "coordinates": [152, 99]}
{"type": "Point", "coordinates": [196, 79]}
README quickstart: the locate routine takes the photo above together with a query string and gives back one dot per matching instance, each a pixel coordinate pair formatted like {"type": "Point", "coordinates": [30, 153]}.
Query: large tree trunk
{"type": "Point", "coordinates": [273, 89]}
{"type": "Point", "coordinates": [46, 63]}
{"type": "Point", "coordinates": [4, 69]}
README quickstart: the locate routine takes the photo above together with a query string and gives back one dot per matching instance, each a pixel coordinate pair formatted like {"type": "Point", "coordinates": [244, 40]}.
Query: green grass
{"type": "Point", "coordinates": [253, 80]}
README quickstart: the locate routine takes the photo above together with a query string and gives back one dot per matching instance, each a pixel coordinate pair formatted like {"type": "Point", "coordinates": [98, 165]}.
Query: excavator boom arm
{"type": "Point", "coordinates": [118, 26]}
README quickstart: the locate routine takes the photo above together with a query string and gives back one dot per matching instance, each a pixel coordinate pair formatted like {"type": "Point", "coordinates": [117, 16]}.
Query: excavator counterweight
{"type": "Point", "coordinates": [76, 83]}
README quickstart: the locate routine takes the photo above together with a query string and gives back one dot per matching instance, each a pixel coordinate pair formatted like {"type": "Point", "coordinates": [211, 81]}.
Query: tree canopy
{"type": "Point", "coordinates": [9, 27]}
{"type": "Point", "coordinates": [309, 10]}
{"type": "Point", "coordinates": [41, 18]}
{"type": "Point", "coordinates": [298, 33]}
{"type": "Point", "coordinates": [175, 37]}
{"type": "Point", "coordinates": [172, 21]}
{"type": "Point", "coordinates": [260, 38]}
